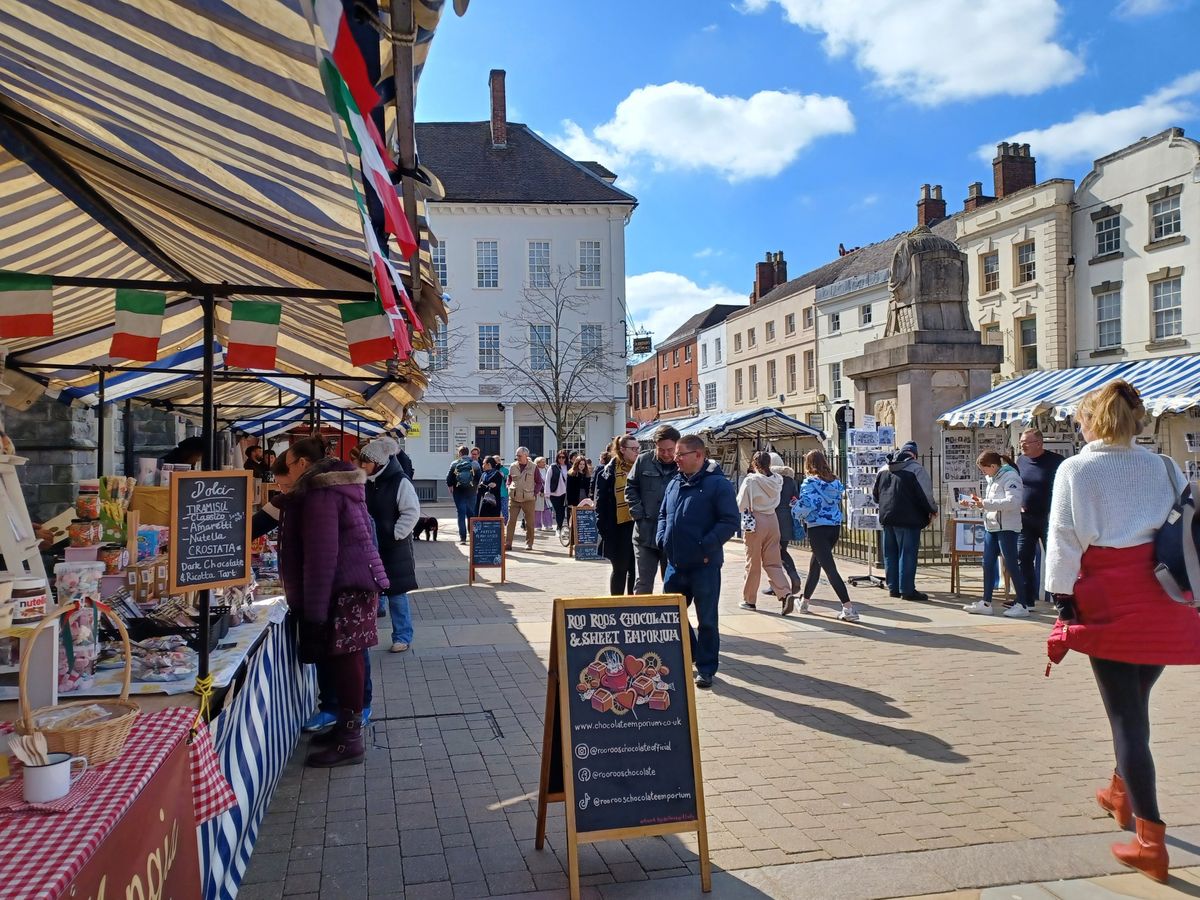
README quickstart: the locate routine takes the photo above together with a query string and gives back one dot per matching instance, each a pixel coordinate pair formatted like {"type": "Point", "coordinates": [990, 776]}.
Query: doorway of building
{"type": "Point", "coordinates": [532, 436]}
{"type": "Point", "coordinates": [487, 439]}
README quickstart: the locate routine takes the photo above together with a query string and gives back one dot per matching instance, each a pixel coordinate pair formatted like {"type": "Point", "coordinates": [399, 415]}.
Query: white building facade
{"type": "Point", "coordinates": [710, 369]}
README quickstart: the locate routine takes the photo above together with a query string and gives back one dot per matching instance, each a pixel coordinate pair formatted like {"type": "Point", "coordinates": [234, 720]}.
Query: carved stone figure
{"type": "Point", "coordinates": [885, 412]}
{"type": "Point", "coordinates": [928, 284]}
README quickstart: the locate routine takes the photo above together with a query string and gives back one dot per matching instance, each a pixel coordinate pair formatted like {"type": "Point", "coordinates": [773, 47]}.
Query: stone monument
{"type": "Point", "coordinates": [930, 358]}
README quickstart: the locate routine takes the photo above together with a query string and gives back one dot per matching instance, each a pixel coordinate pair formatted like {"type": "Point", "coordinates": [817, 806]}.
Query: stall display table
{"type": "Point", "coordinates": [137, 826]}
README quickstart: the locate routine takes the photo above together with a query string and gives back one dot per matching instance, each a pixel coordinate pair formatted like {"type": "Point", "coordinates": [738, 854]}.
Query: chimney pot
{"type": "Point", "coordinates": [937, 192]}
{"type": "Point", "coordinates": [931, 207]}
{"type": "Point", "coordinates": [1013, 169]}
{"type": "Point", "coordinates": [499, 109]}
{"type": "Point", "coordinates": [924, 192]}
{"type": "Point", "coordinates": [975, 189]}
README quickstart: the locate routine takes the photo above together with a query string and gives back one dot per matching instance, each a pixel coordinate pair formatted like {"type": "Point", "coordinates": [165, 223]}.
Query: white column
{"type": "Point", "coordinates": [619, 417]}
{"type": "Point", "coordinates": [508, 434]}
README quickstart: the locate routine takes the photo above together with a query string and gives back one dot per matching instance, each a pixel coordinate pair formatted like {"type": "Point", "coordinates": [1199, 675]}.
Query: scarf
{"type": "Point", "coordinates": [619, 473]}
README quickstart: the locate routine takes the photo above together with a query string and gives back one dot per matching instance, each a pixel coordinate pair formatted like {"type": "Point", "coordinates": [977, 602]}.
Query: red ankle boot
{"type": "Point", "coordinates": [1114, 801]}
{"type": "Point", "coordinates": [1147, 852]}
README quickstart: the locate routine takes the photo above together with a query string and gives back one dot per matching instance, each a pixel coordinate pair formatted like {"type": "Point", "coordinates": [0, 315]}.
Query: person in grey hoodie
{"type": "Point", "coordinates": [645, 487]}
{"type": "Point", "coordinates": [904, 492]}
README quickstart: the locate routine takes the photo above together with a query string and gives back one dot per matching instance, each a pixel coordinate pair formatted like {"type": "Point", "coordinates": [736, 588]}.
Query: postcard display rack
{"type": "Point", "coordinates": [867, 450]}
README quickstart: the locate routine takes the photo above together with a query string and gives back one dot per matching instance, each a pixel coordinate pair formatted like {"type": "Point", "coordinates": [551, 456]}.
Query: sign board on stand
{"type": "Point", "coordinates": [210, 529]}
{"type": "Point", "coordinates": [487, 546]}
{"type": "Point", "coordinates": [586, 529]}
{"type": "Point", "coordinates": [620, 746]}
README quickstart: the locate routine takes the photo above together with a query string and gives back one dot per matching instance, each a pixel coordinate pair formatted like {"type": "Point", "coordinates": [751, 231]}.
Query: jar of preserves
{"type": "Point", "coordinates": [87, 501]}
{"type": "Point", "coordinates": [115, 558]}
{"type": "Point", "coordinates": [83, 532]}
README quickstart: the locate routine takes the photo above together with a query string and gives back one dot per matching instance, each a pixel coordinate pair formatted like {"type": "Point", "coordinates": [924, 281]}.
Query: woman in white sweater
{"type": "Point", "coordinates": [1109, 501]}
{"type": "Point", "coordinates": [759, 495]}
{"type": "Point", "coordinates": [1001, 525]}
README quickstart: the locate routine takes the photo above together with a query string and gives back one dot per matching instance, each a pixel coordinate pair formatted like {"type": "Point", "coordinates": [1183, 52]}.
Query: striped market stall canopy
{"type": "Point", "coordinates": [766, 423]}
{"type": "Point", "coordinates": [172, 141]}
{"type": "Point", "coordinates": [1167, 385]}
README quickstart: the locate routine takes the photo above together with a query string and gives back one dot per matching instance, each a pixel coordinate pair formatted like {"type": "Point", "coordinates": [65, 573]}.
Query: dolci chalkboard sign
{"type": "Point", "coordinates": [620, 747]}
{"type": "Point", "coordinates": [587, 533]}
{"type": "Point", "coordinates": [210, 529]}
{"type": "Point", "coordinates": [487, 546]}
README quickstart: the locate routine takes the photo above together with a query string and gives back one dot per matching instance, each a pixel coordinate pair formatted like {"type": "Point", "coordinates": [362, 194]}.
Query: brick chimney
{"type": "Point", "coordinates": [780, 268]}
{"type": "Point", "coordinates": [499, 110]}
{"type": "Point", "coordinates": [976, 197]}
{"type": "Point", "coordinates": [1013, 169]}
{"type": "Point", "coordinates": [764, 278]}
{"type": "Point", "coordinates": [931, 208]}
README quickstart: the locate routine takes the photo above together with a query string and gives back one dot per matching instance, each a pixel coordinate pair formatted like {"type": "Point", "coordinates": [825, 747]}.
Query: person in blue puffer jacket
{"type": "Point", "coordinates": [819, 507]}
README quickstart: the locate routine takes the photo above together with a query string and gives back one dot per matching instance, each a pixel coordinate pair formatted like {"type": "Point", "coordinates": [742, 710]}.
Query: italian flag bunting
{"type": "Point", "coordinates": [253, 334]}
{"type": "Point", "coordinates": [139, 325]}
{"type": "Point", "coordinates": [368, 332]}
{"type": "Point", "coordinates": [26, 305]}
{"type": "Point", "coordinates": [345, 55]}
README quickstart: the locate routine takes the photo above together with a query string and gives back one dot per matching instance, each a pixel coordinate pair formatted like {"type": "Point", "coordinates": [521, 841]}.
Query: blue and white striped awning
{"type": "Point", "coordinates": [765, 422]}
{"type": "Point", "coordinates": [1169, 384]}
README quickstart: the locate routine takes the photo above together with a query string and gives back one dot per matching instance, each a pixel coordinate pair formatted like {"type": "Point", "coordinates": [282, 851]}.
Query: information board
{"type": "Point", "coordinates": [487, 546]}
{"type": "Point", "coordinates": [620, 747]}
{"type": "Point", "coordinates": [210, 529]}
{"type": "Point", "coordinates": [587, 533]}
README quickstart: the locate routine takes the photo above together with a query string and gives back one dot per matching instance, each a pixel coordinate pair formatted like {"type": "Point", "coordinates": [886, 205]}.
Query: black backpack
{"type": "Point", "coordinates": [1175, 542]}
{"type": "Point", "coordinates": [464, 473]}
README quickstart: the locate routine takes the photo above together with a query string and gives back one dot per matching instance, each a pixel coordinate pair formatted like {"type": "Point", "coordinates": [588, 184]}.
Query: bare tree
{"type": "Point", "coordinates": [556, 361]}
{"type": "Point", "coordinates": [444, 382]}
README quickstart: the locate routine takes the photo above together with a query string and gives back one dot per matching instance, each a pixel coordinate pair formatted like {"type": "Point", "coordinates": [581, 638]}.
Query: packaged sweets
{"type": "Point", "coordinates": [115, 558]}
{"type": "Point", "coordinates": [87, 503]}
{"type": "Point", "coordinates": [78, 580]}
{"type": "Point", "coordinates": [84, 532]}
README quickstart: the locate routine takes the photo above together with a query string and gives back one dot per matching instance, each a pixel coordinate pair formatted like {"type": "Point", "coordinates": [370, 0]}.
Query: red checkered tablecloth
{"type": "Point", "coordinates": [41, 854]}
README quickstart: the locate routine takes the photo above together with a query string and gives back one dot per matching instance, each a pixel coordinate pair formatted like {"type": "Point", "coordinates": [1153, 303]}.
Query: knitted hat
{"type": "Point", "coordinates": [909, 447]}
{"type": "Point", "coordinates": [380, 450]}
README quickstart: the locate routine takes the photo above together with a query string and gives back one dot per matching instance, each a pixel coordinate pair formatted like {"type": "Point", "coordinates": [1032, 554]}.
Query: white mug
{"type": "Point", "coordinates": [53, 780]}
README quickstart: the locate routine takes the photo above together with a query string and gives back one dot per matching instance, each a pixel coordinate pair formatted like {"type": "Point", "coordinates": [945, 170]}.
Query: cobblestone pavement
{"type": "Point", "coordinates": [921, 750]}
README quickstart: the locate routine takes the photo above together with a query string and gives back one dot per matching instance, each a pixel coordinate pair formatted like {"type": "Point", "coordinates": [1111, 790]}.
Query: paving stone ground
{"type": "Point", "coordinates": [921, 750]}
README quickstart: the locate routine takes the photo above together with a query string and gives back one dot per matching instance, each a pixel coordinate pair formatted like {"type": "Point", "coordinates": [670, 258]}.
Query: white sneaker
{"type": "Point", "coordinates": [1017, 612]}
{"type": "Point", "coordinates": [848, 613]}
{"type": "Point", "coordinates": [803, 605]}
{"type": "Point", "coordinates": [979, 608]}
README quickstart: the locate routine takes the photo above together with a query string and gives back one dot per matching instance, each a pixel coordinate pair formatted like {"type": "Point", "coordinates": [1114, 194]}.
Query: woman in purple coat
{"type": "Point", "coordinates": [332, 577]}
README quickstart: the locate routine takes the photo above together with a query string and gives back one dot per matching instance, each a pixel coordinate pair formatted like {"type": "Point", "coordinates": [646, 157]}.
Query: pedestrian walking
{"type": "Point", "coordinates": [820, 509]}
{"type": "Point", "coordinates": [699, 514]}
{"type": "Point", "coordinates": [395, 508]}
{"type": "Point", "coordinates": [524, 482]}
{"type": "Point", "coordinates": [614, 520]}
{"type": "Point", "coordinates": [332, 577]}
{"type": "Point", "coordinates": [1001, 505]}
{"type": "Point", "coordinates": [579, 482]}
{"type": "Point", "coordinates": [543, 512]}
{"type": "Point", "coordinates": [556, 488]}
{"type": "Point", "coordinates": [756, 501]}
{"type": "Point", "coordinates": [503, 470]}
{"type": "Point", "coordinates": [1037, 467]}
{"type": "Point", "coordinates": [904, 493]}
{"type": "Point", "coordinates": [490, 482]}
{"type": "Point", "coordinates": [787, 529]}
{"type": "Point", "coordinates": [645, 487]}
{"type": "Point", "coordinates": [1100, 572]}
{"type": "Point", "coordinates": [462, 480]}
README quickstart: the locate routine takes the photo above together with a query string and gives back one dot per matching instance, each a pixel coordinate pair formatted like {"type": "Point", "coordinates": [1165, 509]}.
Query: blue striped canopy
{"type": "Point", "coordinates": [1169, 384]}
{"type": "Point", "coordinates": [765, 422]}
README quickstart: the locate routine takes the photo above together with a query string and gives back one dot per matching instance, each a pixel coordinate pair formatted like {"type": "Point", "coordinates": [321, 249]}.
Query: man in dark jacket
{"type": "Point", "coordinates": [699, 514]}
{"type": "Point", "coordinates": [1037, 467]}
{"type": "Point", "coordinates": [394, 507]}
{"type": "Point", "coordinates": [904, 493]}
{"type": "Point", "coordinates": [644, 491]}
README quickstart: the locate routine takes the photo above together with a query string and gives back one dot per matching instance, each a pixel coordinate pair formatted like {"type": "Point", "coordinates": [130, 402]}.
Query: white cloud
{"type": "Point", "coordinates": [682, 126]}
{"type": "Point", "coordinates": [1090, 135]}
{"type": "Point", "coordinates": [707, 252]}
{"type": "Point", "coordinates": [867, 201]}
{"type": "Point", "coordinates": [662, 301]}
{"type": "Point", "coordinates": [1136, 9]}
{"type": "Point", "coordinates": [710, 29]}
{"type": "Point", "coordinates": [937, 51]}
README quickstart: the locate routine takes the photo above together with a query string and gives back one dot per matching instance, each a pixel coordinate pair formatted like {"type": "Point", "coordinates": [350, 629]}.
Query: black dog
{"type": "Point", "coordinates": [427, 525]}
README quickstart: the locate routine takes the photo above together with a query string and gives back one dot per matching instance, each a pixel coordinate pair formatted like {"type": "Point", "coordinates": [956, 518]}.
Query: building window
{"type": "Point", "coordinates": [751, 338]}
{"type": "Point", "coordinates": [990, 263]}
{"type": "Point", "coordinates": [772, 382]}
{"type": "Point", "coordinates": [737, 386]}
{"type": "Point", "coordinates": [539, 348]}
{"type": "Point", "coordinates": [439, 356]}
{"type": "Point", "coordinates": [539, 264]}
{"type": "Point", "coordinates": [791, 373]}
{"type": "Point", "coordinates": [1026, 264]}
{"type": "Point", "coordinates": [704, 356]}
{"type": "Point", "coordinates": [1108, 235]}
{"type": "Point", "coordinates": [835, 381]}
{"type": "Point", "coordinates": [675, 357]}
{"type": "Point", "coordinates": [653, 392]}
{"type": "Point", "coordinates": [439, 431]}
{"type": "Point", "coordinates": [677, 395]}
{"type": "Point", "coordinates": [1168, 308]}
{"type": "Point", "coordinates": [737, 343]}
{"type": "Point", "coordinates": [666, 396]}
{"type": "Point", "coordinates": [591, 341]}
{"type": "Point", "coordinates": [754, 382]}
{"type": "Point", "coordinates": [487, 264]}
{"type": "Point", "coordinates": [710, 395]}
{"type": "Point", "coordinates": [687, 353]}
{"type": "Point", "coordinates": [1164, 218]}
{"type": "Point", "coordinates": [589, 264]}
{"type": "Point", "coordinates": [689, 394]}
{"type": "Point", "coordinates": [816, 420]}
{"type": "Point", "coordinates": [991, 335]}
{"type": "Point", "coordinates": [810, 369]}
{"type": "Point", "coordinates": [770, 331]}
{"type": "Point", "coordinates": [1027, 329]}
{"type": "Point", "coordinates": [573, 442]}
{"type": "Point", "coordinates": [808, 318]}
{"type": "Point", "coordinates": [1108, 320]}
{"type": "Point", "coordinates": [664, 362]}
{"type": "Point", "coordinates": [717, 351]}
{"type": "Point", "coordinates": [789, 324]}
{"type": "Point", "coordinates": [489, 348]}
{"type": "Point", "coordinates": [437, 256]}
{"type": "Point", "coordinates": [835, 323]}
{"type": "Point", "coordinates": [865, 314]}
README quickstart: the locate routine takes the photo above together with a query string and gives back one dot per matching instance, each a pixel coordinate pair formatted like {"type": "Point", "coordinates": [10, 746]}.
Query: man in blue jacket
{"type": "Point", "coordinates": [699, 514]}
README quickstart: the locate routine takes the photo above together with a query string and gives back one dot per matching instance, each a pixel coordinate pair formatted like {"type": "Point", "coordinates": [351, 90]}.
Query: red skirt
{"type": "Point", "coordinates": [1124, 615]}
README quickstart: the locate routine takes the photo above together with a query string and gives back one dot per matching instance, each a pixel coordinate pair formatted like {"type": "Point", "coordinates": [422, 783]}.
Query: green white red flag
{"type": "Point", "coordinates": [368, 332]}
{"type": "Point", "coordinates": [253, 334]}
{"type": "Point", "coordinates": [139, 325]}
{"type": "Point", "coordinates": [345, 55]}
{"type": "Point", "coordinates": [26, 305]}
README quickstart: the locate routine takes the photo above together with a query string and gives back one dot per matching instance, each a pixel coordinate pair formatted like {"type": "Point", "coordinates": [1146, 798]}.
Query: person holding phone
{"type": "Point", "coordinates": [1001, 505]}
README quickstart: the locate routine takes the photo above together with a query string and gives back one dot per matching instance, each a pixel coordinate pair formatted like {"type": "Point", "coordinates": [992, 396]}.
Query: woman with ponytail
{"type": "Point", "coordinates": [1100, 572]}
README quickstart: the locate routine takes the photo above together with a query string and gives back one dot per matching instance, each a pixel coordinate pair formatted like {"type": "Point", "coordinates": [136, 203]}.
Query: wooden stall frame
{"type": "Point", "coordinates": [471, 549]}
{"type": "Point", "coordinates": [558, 696]}
{"type": "Point", "coordinates": [956, 555]}
{"type": "Point", "coordinates": [179, 478]}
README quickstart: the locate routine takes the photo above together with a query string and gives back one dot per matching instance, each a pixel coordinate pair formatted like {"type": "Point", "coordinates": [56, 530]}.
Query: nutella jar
{"type": "Point", "coordinates": [30, 598]}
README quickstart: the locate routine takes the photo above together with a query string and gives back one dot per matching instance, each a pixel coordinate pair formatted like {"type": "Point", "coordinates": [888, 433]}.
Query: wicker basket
{"type": "Point", "coordinates": [101, 741]}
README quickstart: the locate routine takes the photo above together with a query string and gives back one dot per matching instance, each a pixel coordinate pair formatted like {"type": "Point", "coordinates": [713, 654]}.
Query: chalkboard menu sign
{"type": "Point", "coordinates": [210, 529]}
{"type": "Point", "coordinates": [620, 746]}
{"type": "Point", "coordinates": [487, 546]}
{"type": "Point", "coordinates": [587, 534]}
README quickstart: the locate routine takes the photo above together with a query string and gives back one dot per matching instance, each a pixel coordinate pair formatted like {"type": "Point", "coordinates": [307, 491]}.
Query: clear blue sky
{"type": "Point", "coordinates": [797, 124]}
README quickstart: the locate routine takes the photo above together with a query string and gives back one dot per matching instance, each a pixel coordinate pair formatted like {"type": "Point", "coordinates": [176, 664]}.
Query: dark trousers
{"type": "Point", "coordinates": [347, 674]}
{"type": "Point", "coordinates": [701, 586]}
{"type": "Point", "coordinates": [821, 538]}
{"type": "Point", "coordinates": [1032, 532]}
{"type": "Point", "coordinates": [327, 693]}
{"type": "Point", "coordinates": [620, 554]}
{"type": "Point", "coordinates": [1125, 690]}
{"type": "Point", "coordinates": [464, 504]}
{"type": "Point", "coordinates": [789, 564]}
{"type": "Point", "coordinates": [560, 509]}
